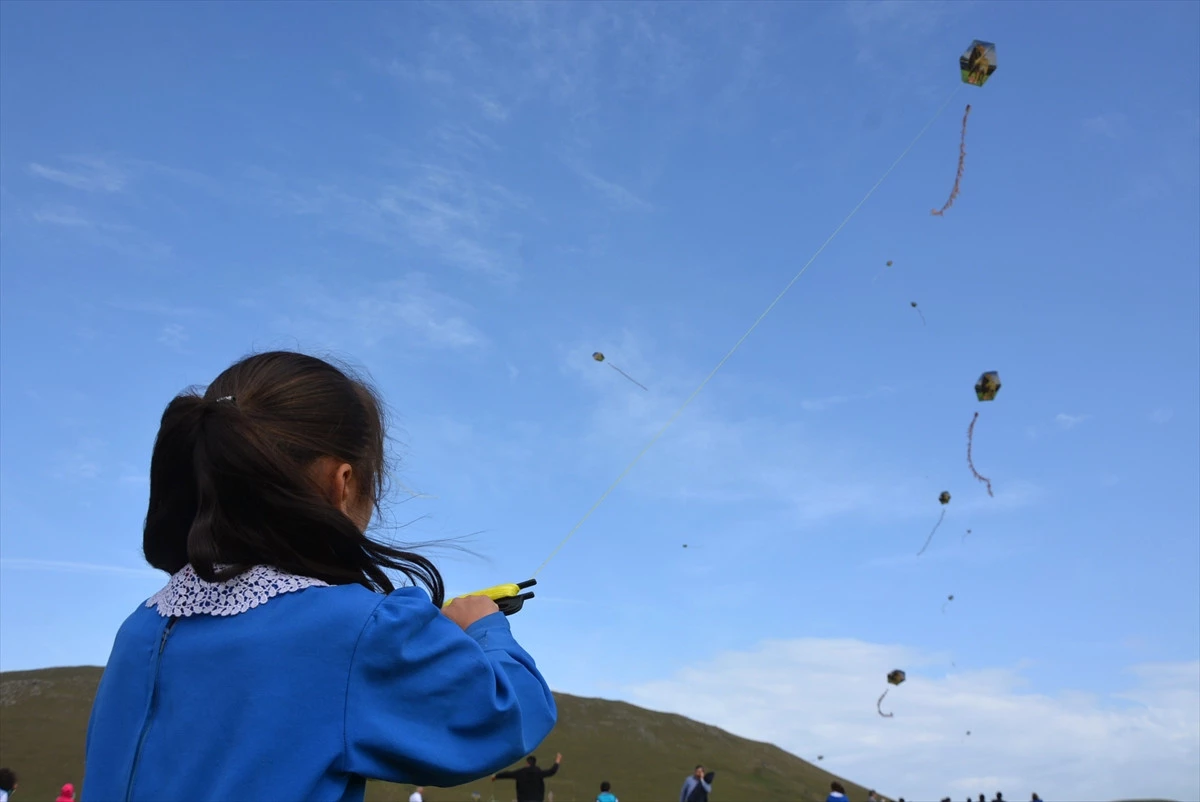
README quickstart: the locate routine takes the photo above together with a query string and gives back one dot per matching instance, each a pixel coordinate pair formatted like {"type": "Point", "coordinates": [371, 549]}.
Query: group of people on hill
{"type": "Point", "coordinates": [8, 785]}
{"type": "Point", "coordinates": [837, 793]}
{"type": "Point", "coordinates": [531, 783]}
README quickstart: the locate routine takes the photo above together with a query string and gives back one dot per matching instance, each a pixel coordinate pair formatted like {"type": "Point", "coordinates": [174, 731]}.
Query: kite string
{"type": "Point", "coordinates": [675, 415]}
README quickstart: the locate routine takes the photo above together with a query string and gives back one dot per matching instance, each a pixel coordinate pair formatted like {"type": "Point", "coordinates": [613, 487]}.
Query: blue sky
{"type": "Point", "coordinates": [468, 200]}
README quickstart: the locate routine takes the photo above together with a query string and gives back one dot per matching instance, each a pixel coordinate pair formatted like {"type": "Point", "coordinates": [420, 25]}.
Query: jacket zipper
{"type": "Point", "coordinates": [162, 644]}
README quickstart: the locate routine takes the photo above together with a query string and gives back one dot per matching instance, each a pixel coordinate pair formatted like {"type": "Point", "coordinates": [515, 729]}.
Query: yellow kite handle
{"type": "Point", "coordinates": [508, 598]}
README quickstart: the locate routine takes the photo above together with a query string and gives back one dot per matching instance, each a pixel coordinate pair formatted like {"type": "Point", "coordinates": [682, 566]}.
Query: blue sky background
{"type": "Point", "coordinates": [468, 200]}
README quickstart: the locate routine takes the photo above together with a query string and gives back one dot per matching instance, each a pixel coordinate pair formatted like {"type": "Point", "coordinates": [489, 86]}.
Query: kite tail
{"type": "Point", "coordinates": [970, 463]}
{"type": "Point", "coordinates": [879, 705]}
{"type": "Point", "coordinates": [626, 375]}
{"type": "Point", "coordinates": [935, 528]}
{"type": "Point", "coordinates": [962, 159]}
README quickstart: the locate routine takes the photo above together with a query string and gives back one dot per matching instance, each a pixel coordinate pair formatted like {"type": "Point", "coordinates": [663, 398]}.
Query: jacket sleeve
{"type": "Point", "coordinates": [430, 704]}
{"type": "Point", "coordinates": [550, 772]}
{"type": "Point", "coordinates": [506, 775]}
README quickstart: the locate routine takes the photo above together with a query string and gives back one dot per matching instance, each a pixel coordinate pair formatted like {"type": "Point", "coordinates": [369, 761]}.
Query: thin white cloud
{"type": "Point", "coordinates": [81, 462]}
{"type": "Point", "coordinates": [453, 214]}
{"type": "Point", "coordinates": [828, 402]}
{"type": "Point", "coordinates": [63, 216]}
{"type": "Point", "coordinates": [1162, 415]}
{"type": "Point", "coordinates": [814, 696]}
{"type": "Point", "coordinates": [124, 239]}
{"type": "Point", "coordinates": [1110, 125]}
{"type": "Point", "coordinates": [154, 307]}
{"type": "Point", "coordinates": [883, 27]}
{"type": "Point", "coordinates": [23, 564]}
{"type": "Point", "coordinates": [492, 109]}
{"type": "Point", "coordinates": [407, 306]}
{"type": "Point", "coordinates": [1070, 421]}
{"type": "Point", "coordinates": [422, 74]}
{"type": "Point", "coordinates": [173, 335]}
{"type": "Point", "coordinates": [463, 142]}
{"type": "Point", "coordinates": [87, 173]}
{"type": "Point", "coordinates": [616, 194]}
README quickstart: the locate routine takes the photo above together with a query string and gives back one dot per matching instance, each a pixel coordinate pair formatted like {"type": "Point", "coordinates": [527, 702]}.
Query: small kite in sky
{"type": "Point", "coordinates": [599, 357]}
{"type": "Point", "coordinates": [944, 498]}
{"type": "Point", "coordinates": [895, 678]}
{"type": "Point", "coordinates": [949, 599]}
{"type": "Point", "coordinates": [985, 390]}
{"type": "Point", "coordinates": [919, 312]}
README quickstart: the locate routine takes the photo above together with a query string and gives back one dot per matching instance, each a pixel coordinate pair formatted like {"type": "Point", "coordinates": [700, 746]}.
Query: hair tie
{"type": "Point", "coordinates": [228, 398]}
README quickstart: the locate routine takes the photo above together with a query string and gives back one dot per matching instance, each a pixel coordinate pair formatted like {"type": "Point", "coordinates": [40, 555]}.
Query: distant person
{"type": "Point", "coordinates": [871, 797]}
{"type": "Point", "coordinates": [67, 794]}
{"type": "Point", "coordinates": [836, 792]}
{"type": "Point", "coordinates": [531, 780]}
{"type": "Point", "coordinates": [606, 794]}
{"type": "Point", "coordinates": [280, 612]}
{"type": "Point", "coordinates": [999, 797]}
{"type": "Point", "coordinates": [1035, 798]}
{"type": "Point", "coordinates": [697, 787]}
{"type": "Point", "coordinates": [8, 784]}
{"type": "Point", "coordinates": [417, 795]}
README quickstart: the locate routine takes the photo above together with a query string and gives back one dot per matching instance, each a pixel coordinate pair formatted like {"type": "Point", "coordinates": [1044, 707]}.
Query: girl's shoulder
{"type": "Point", "coordinates": [270, 601]}
{"type": "Point", "coordinates": [262, 586]}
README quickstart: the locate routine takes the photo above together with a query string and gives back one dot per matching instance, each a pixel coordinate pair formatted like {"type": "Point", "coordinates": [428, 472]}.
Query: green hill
{"type": "Point", "coordinates": [645, 755]}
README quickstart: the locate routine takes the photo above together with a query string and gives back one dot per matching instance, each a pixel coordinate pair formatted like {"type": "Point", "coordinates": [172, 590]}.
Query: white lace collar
{"type": "Point", "coordinates": [188, 594]}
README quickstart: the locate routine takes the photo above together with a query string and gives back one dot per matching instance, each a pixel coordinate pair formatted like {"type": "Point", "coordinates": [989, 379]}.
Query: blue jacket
{"type": "Point", "coordinates": [606, 796]}
{"type": "Point", "coordinates": [696, 789]}
{"type": "Point", "coordinates": [307, 696]}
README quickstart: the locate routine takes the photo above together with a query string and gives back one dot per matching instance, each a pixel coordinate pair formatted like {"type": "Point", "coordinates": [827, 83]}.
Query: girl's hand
{"type": "Point", "coordinates": [469, 609]}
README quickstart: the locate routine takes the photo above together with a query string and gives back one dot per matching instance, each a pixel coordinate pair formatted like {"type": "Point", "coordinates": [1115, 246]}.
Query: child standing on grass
{"type": "Point", "coordinates": [280, 652]}
{"type": "Point", "coordinates": [606, 794]}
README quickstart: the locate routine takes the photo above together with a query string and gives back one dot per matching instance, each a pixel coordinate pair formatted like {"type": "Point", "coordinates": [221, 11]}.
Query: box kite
{"type": "Point", "coordinates": [978, 63]}
{"type": "Point", "coordinates": [894, 677]}
{"type": "Point", "coordinates": [985, 390]}
{"type": "Point", "coordinates": [987, 386]}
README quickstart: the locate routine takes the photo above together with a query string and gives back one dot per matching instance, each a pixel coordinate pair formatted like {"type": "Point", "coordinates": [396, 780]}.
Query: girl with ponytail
{"type": "Point", "coordinates": [280, 661]}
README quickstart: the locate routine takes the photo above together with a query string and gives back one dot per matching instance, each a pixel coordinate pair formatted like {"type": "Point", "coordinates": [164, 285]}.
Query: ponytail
{"type": "Point", "coordinates": [230, 483]}
{"type": "Point", "coordinates": [173, 489]}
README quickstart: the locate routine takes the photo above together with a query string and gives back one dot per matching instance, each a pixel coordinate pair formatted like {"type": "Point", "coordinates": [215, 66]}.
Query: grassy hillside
{"type": "Point", "coordinates": [645, 755]}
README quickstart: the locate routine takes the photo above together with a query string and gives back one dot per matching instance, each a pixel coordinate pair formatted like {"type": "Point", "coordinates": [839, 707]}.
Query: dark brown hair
{"type": "Point", "coordinates": [230, 482]}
